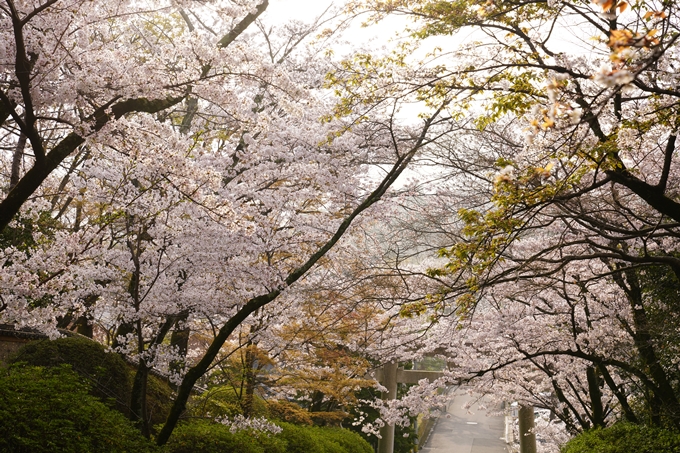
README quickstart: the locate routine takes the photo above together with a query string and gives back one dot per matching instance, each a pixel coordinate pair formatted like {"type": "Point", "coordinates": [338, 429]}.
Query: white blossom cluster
{"type": "Point", "coordinates": [259, 424]}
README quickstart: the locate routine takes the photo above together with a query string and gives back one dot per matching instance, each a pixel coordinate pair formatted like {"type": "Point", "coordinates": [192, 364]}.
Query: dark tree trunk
{"type": "Point", "coordinates": [595, 397]}
{"type": "Point", "coordinates": [138, 408]}
{"type": "Point", "coordinates": [644, 344]}
{"type": "Point", "coordinates": [250, 381]}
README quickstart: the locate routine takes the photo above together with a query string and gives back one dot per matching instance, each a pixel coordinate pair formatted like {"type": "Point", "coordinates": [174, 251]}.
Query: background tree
{"type": "Point", "coordinates": [205, 171]}
{"type": "Point", "coordinates": [559, 174]}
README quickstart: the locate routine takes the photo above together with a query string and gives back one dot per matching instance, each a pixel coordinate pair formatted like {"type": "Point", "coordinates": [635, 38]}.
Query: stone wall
{"type": "Point", "coordinates": [11, 340]}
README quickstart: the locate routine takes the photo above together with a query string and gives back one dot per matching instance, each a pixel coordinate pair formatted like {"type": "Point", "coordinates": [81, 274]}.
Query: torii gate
{"type": "Point", "coordinates": [390, 375]}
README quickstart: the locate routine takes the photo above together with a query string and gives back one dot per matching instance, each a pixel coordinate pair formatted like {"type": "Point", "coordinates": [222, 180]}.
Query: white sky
{"type": "Point", "coordinates": [308, 10]}
{"type": "Point", "coordinates": [297, 9]}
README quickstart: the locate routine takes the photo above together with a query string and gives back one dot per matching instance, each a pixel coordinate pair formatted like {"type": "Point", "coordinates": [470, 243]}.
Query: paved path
{"type": "Point", "coordinates": [466, 431]}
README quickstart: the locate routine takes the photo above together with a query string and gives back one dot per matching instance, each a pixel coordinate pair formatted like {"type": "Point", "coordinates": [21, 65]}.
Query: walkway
{"type": "Point", "coordinates": [463, 432]}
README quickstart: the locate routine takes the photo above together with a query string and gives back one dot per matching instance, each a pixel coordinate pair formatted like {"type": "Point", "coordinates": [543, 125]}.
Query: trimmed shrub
{"type": "Point", "coordinates": [349, 441]}
{"type": "Point", "coordinates": [315, 439]}
{"type": "Point", "coordinates": [110, 377]}
{"type": "Point", "coordinates": [624, 438]}
{"type": "Point", "coordinates": [50, 410]}
{"type": "Point", "coordinates": [300, 439]}
{"type": "Point", "coordinates": [108, 374]}
{"type": "Point", "coordinates": [204, 436]}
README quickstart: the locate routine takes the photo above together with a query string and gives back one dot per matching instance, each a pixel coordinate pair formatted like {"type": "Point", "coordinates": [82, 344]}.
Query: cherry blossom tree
{"type": "Point", "coordinates": [556, 186]}
{"type": "Point", "coordinates": [175, 167]}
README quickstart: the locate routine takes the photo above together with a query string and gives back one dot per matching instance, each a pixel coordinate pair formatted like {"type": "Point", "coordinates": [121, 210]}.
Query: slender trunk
{"type": "Point", "coordinates": [620, 396]}
{"type": "Point", "coordinates": [122, 331]}
{"type": "Point", "coordinates": [138, 400]}
{"type": "Point", "coordinates": [17, 160]}
{"type": "Point", "coordinates": [595, 397]}
{"type": "Point", "coordinates": [527, 437]}
{"type": "Point", "coordinates": [317, 402]}
{"type": "Point", "coordinates": [138, 409]}
{"type": "Point", "coordinates": [179, 340]}
{"type": "Point", "coordinates": [249, 378]}
{"type": "Point", "coordinates": [84, 326]}
{"type": "Point", "coordinates": [655, 408]}
{"type": "Point", "coordinates": [64, 321]}
{"type": "Point", "coordinates": [644, 344]}
{"type": "Point", "coordinates": [567, 411]}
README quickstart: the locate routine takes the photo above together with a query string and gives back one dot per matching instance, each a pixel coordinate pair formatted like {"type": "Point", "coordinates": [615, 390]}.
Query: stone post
{"type": "Point", "coordinates": [386, 443]}
{"type": "Point", "coordinates": [527, 438]}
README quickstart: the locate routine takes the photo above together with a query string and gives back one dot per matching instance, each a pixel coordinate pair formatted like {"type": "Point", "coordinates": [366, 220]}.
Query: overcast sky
{"type": "Point", "coordinates": [308, 10]}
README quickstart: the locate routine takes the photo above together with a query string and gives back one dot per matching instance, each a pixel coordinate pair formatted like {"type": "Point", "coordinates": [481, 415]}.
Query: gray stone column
{"type": "Point", "coordinates": [386, 444]}
{"type": "Point", "coordinates": [527, 438]}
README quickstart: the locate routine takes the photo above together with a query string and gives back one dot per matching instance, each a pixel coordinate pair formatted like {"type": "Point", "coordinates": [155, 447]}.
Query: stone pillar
{"type": "Point", "coordinates": [386, 443]}
{"type": "Point", "coordinates": [527, 438]}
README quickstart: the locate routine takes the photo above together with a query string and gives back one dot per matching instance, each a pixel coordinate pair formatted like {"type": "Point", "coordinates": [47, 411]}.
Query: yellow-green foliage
{"type": "Point", "coordinates": [289, 412]}
{"type": "Point", "coordinates": [224, 401]}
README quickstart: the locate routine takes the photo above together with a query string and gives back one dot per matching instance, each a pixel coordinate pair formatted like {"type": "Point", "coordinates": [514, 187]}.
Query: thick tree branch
{"type": "Point", "coordinates": [22, 69]}
{"type": "Point", "coordinates": [243, 25]}
{"type": "Point", "coordinates": [37, 11]}
{"type": "Point", "coordinates": [6, 108]}
{"type": "Point", "coordinates": [34, 177]}
{"type": "Point", "coordinates": [668, 159]}
{"type": "Point", "coordinates": [651, 194]}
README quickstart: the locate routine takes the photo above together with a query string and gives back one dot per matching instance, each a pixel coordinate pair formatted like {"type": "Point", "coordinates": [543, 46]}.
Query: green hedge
{"type": "Point", "coordinates": [300, 439]}
{"type": "Point", "coordinates": [49, 410]}
{"type": "Point", "coordinates": [350, 441]}
{"type": "Point", "coordinates": [202, 436]}
{"type": "Point", "coordinates": [624, 438]}
{"type": "Point", "coordinates": [108, 374]}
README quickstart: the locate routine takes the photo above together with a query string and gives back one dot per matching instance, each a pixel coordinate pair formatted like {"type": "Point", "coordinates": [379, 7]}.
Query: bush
{"type": "Point", "coordinates": [624, 438]}
{"type": "Point", "coordinates": [159, 397]}
{"type": "Point", "coordinates": [203, 436]}
{"type": "Point", "coordinates": [349, 441]}
{"type": "Point", "coordinates": [108, 374]}
{"type": "Point", "coordinates": [223, 401]}
{"type": "Point", "coordinates": [110, 377]}
{"type": "Point", "coordinates": [300, 439]}
{"type": "Point", "coordinates": [49, 410]}
{"type": "Point", "coordinates": [315, 439]}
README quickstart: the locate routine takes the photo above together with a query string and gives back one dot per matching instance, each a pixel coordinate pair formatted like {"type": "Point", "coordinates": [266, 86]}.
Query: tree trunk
{"type": "Point", "coordinates": [595, 397]}
{"type": "Point", "coordinates": [179, 339]}
{"type": "Point", "coordinates": [138, 407]}
{"type": "Point", "coordinates": [17, 160]}
{"type": "Point", "coordinates": [249, 378]}
{"type": "Point", "coordinates": [644, 344]}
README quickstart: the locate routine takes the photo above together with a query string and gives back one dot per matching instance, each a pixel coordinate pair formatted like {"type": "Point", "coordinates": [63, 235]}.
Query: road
{"type": "Point", "coordinates": [466, 431]}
